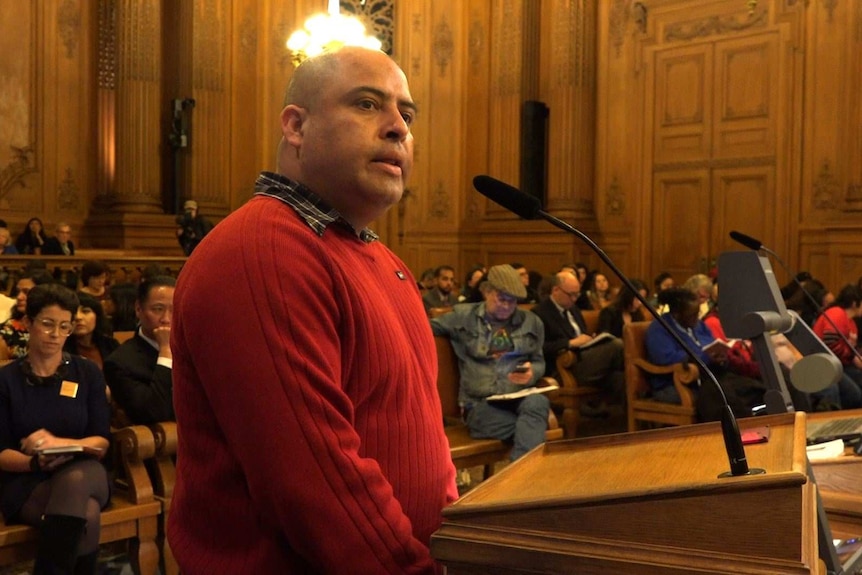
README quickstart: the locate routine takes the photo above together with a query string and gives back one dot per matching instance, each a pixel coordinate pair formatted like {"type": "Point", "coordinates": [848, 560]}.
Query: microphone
{"type": "Point", "coordinates": [756, 245]}
{"type": "Point", "coordinates": [747, 241]}
{"type": "Point", "coordinates": [530, 208]}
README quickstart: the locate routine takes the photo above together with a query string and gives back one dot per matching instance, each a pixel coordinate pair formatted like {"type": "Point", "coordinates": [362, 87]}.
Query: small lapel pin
{"type": "Point", "coordinates": [400, 274]}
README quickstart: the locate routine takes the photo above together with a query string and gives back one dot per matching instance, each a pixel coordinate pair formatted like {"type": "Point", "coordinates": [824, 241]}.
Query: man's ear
{"type": "Point", "coordinates": [292, 123]}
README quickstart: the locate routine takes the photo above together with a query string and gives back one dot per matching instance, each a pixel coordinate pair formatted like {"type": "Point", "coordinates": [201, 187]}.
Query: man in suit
{"type": "Point", "coordinates": [61, 244]}
{"type": "Point", "coordinates": [441, 294]}
{"type": "Point", "coordinates": [139, 372]}
{"type": "Point", "coordinates": [598, 365]}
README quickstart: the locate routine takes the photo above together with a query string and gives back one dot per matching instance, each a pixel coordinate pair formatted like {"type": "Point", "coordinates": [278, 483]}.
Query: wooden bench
{"type": "Point", "coordinates": [465, 450]}
{"type": "Point", "coordinates": [641, 407]}
{"type": "Point", "coordinates": [131, 516]}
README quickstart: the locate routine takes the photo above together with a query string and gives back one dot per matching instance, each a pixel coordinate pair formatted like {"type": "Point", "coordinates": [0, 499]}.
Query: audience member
{"type": "Point", "coordinates": [14, 333]}
{"type": "Point", "coordinates": [600, 363]}
{"type": "Point", "coordinates": [31, 240]}
{"type": "Point", "coordinates": [139, 371]}
{"type": "Point", "coordinates": [661, 282]}
{"type": "Point", "coordinates": [701, 286]}
{"type": "Point", "coordinates": [499, 349]}
{"type": "Point", "coordinates": [846, 307]}
{"type": "Point", "coordinates": [624, 309]}
{"type": "Point", "coordinates": [532, 296]}
{"type": "Point", "coordinates": [442, 294]}
{"type": "Point", "coordinates": [61, 244]}
{"type": "Point", "coordinates": [91, 335]}
{"type": "Point", "coordinates": [94, 282]}
{"type": "Point", "coordinates": [122, 304]}
{"type": "Point", "coordinates": [470, 290]}
{"type": "Point", "coordinates": [6, 246]}
{"type": "Point", "coordinates": [191, 227]}
{"type": "Point", "coordinates": [343, 358]}
{"type": "Point", "coordinates": [743, 393]}
{"type": "Point", "coordinates": [50, 399]}
{"type": "Point", "coordinates": [426, 280]}
{"type": "Point", "coordinates": [595, 291]}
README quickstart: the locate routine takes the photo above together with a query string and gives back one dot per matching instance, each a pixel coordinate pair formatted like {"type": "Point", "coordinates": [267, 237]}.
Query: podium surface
{"type": "Point", "coordinates": [645, 502]}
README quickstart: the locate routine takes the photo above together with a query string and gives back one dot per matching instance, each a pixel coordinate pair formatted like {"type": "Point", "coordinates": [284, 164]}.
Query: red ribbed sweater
{"type": "Point", "coordinates": [310, 429]}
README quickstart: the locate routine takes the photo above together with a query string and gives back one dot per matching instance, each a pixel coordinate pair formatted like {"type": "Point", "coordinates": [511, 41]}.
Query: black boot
{"type": "Point", "coordinates": [58, 544]}
{"type": "Point", "coordinates": [86, 564]}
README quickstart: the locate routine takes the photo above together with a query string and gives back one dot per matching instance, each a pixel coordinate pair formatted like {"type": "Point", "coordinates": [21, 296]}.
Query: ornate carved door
{"type": "Point", "coordinates": [718, 99]}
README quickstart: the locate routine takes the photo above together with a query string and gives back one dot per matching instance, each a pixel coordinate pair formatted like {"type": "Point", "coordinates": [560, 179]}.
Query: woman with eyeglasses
{"type": "Point", "coordinates": [48, 400]}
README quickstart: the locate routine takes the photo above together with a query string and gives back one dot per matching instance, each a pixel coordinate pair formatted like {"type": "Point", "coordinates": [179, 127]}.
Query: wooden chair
{"type": "Point", "coordinates": [465, 450]}
{"type": "Point", "coordinates": [164, 475]}
{"type": "Point", "coordinates": [131, 516]}
{"type": "Point", "coordinates": [641, 407]}
{"type": "Point", "coordinates": [571, 393]}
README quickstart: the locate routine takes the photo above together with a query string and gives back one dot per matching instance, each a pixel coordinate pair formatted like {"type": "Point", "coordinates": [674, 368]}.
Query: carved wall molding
{"type": "Point", "coordinates": [506, 78]}
{"type": "Point", "coordinates": [616, 205]}
{"type": "Point", "coordinates": [69, 26]}
{"type": "Point", "coordinates": [442, 46]}
{"type": "Point", "coordinates": [705, 27]}
{"type": "Point", "coordinates": [568, 45]}
{"type": "Point", "coordinates": [716, 163]}
{"type": "Point", "coordinates": [618, 18]}
{"type": "Point", "coordinates": [141, 62]}
{"type": "Point", "coordinates": [440, 202]}
{"type": "Point", "coordinates": [68, 192]}
{"type": "Point", "coordinates": [23, 163]}
{"type": "Point", "coordinates": [280, 32]}
{"type": "Point", "coordinates": [826, 188]}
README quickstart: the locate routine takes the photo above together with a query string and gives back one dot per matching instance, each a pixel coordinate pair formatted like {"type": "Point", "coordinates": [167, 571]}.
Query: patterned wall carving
{"type": "Point", "coordinates": [476, 43]}
{"type": "Point", "coordinates": [107, 45]}
{"type": "Point", "coordinates": [23, 163]}
{"type": "Point", "coordinates": [506, 80]}
{"type": "Point", "coordinates": [69, 26]}
{"type": "Point", "coordinates": [68, 192]}
{"type": "Point", "coordinates": [440, 202]}
{"type": "Point", "coordinates": [617, 22]}
{"type": "Point", "coordinates": [713, 25]}
{"type": "Point", "coordinates": [443, 46]}
{"type": "Point", "coordinates": [826, 188]}
{"type": "Point", "coordinates": [140, 60]}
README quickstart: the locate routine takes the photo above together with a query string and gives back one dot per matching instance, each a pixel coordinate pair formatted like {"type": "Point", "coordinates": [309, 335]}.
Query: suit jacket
{"type": "Point", "coordinates": [558, 330]}
{"type": "Point", "coordinates": [52, 247]}
{"type": "Point", "coordinates": [141, 387]}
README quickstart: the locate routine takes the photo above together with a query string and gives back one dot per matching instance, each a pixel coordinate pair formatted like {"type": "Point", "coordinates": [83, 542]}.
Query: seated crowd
{"type": "Point", "coordinates": [65, 381]}
{"type": "Point", "coordinates": [488, 333]}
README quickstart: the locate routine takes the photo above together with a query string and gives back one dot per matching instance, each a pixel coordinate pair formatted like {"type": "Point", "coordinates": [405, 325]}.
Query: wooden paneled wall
{"type": "Point", "coordinates": [671, 122]}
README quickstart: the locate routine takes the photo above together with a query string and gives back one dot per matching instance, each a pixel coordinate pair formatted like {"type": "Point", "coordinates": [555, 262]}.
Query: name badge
{"type": "Point", "coordinates": [69, 389]}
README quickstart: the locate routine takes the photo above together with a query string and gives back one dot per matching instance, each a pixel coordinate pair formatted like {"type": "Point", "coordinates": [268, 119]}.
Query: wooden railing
{"type": "Point", "coordinates": [123, 266]}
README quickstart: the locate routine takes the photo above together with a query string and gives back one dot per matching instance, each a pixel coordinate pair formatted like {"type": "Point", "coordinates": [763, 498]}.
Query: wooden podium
{"type": "Point", "coordinates": [649, 502]}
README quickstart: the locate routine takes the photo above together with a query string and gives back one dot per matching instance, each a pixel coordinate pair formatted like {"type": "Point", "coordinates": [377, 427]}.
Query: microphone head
{"type": "Point", "coordinates": [745, 240]}
{"type": "Point", "coordinates": [509, 197]}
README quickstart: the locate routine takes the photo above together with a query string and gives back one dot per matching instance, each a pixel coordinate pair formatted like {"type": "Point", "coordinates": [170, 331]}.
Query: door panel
{"type": "Point", "coordinates": [681, 209]}
{"type": "Point", "coordinates": [683, 109]}
{"type": "Point", "coordinates": [746, 80]}
{"type": "Point", "coordinates": [741, 201]}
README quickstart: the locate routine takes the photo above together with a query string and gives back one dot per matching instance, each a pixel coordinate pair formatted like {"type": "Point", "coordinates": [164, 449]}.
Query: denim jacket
{"type": "Point", "coordinates": [469, 332]}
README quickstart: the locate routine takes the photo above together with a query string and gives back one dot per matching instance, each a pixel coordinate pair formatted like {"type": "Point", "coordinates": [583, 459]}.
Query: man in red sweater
{"type": "Point", "coordinates": [310, 429]}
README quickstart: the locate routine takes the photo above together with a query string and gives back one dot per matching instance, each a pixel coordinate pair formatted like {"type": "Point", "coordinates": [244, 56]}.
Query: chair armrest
{"type": "Point", "coordinates": [547, 381]}
{"type": "Point", "coordinates": [565, 362]}
{"type": "Point", "coordinates": [165, 434]}
{"type": "Point", "coordinates": [654, 369]}
{"type": "Point", "coordinates": [135, 444]}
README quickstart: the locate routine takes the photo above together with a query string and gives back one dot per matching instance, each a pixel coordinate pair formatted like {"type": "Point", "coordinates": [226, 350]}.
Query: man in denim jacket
{"type": "Point", "coordinates": [499, 349]}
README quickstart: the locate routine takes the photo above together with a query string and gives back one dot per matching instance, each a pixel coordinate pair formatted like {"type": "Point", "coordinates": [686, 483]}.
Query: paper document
{"type": "Point", "coordinates": [521, 393]}
{"type": "Point", "coordinates": [602, 337]}
{"type": "Point", "coordinates": [827, 450]}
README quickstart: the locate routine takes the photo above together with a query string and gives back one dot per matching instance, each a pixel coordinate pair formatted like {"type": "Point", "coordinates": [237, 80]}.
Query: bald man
{"type": "Point", "coordinates": [310, 435]}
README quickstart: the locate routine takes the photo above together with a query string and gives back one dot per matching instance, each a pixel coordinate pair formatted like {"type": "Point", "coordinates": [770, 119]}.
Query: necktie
{"type": "Point", "coordinates": [571, 319]}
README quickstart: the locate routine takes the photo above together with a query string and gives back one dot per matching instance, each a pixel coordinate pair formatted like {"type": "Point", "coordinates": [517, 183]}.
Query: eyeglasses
{"type": "Point", "coordinates": [505, 299]}
{"type": "Point", "coordinates": [49, 326]}
{"type": "Point", "coordinates": [571, 294]}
